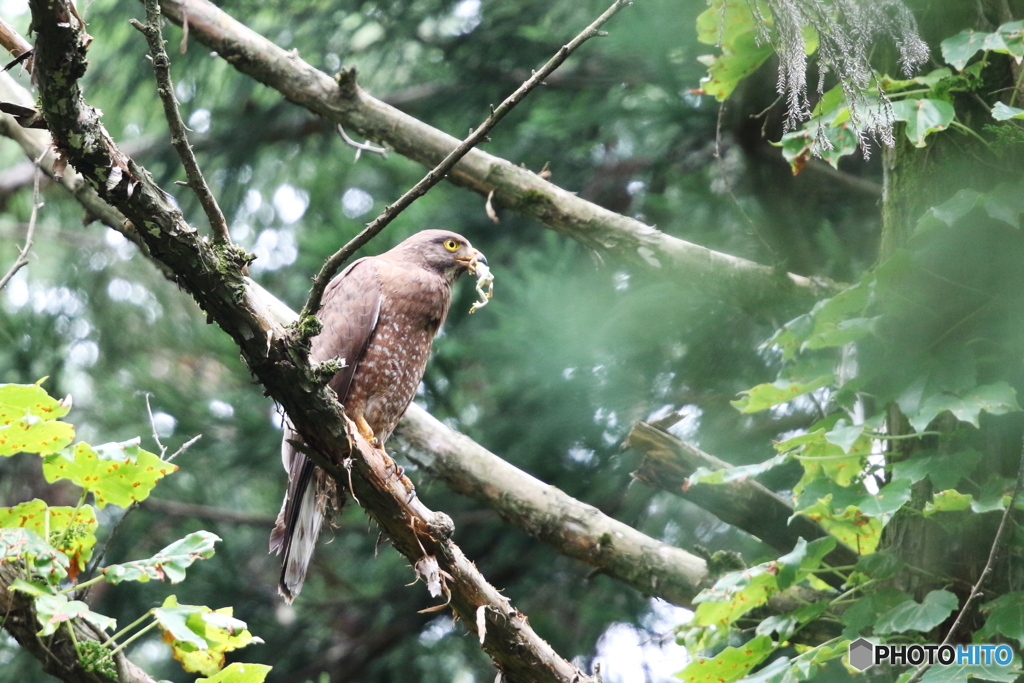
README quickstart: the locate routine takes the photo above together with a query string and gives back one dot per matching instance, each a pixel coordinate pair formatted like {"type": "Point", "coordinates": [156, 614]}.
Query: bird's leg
{"type": "Point", "coordinates": [366, 432]}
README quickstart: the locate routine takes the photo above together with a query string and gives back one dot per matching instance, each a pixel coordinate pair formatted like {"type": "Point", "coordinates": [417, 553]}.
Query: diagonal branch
{"type": "Point", "coordinates": [281, 364]}
{"type": "Point", "coordinates": [342, 101]}
{"type": "Point", "coordinates": [435, 175]}
{"type": "Point", "coordinates": [59, 653]}
{"type": "Point", "coordinates": [457, 454]}
{"type": "Point", "coordinates": [179, 139]}
{"type": "Point", "coordinates": [22, 259]}
{"type": "Point", "coordinates": [573, 528]}
{"type": "Point", "coordinates": [746, 505]}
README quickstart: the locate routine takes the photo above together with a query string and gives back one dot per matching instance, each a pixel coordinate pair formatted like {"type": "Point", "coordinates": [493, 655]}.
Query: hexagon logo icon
{"type": "Point", "coordinates": [861, 654]}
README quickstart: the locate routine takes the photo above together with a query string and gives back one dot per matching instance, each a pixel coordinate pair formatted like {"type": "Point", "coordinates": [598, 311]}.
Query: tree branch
{"type": "Point", "coordinates": [12, 41]}
{"type": "Point", "coordinates": [38, 143]}
{"type": "Point", "coordinates": [58, 653]}
{"type": "Point", "coordinates": [432, 178]}
{"type": "Point", "coordinates": [573, 528]}
{"type": "Point", "coordinates": [993, 555]}
{"type": "Point", "coordinates": [342, 101]}
{"type": "Point", "coordinates": [179, 139]}
{"type": "Point", "coordinates": [211, 275]}
{"type": "Point", "coordinates": [669, 581]}
{"type": "Point", "coordinates": [22, 259]}
{"type": "Point", "coordinates": [746, 505]}
{"type": "Point", "coordinates": [215, 514]}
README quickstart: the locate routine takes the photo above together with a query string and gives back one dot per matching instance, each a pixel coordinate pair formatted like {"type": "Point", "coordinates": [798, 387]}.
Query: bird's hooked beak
{"type": "Point", "coordinates": [470, 262]}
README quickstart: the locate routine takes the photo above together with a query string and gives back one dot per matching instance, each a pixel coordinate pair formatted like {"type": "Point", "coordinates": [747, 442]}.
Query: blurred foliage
{"type": "Point", "coordinates": [572, 350]}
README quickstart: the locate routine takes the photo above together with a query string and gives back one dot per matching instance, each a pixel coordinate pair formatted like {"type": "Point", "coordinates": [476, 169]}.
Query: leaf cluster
{"type": "Point", "coordinates": [50, 546]}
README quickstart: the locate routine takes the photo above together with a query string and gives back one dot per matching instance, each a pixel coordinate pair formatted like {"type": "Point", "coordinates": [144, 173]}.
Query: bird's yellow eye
{"type": "Point", "coordinates": [451, 245]}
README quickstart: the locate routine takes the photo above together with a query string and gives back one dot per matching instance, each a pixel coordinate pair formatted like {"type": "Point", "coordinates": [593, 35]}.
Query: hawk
{"type": "Point", "coordinates": [380, 316]}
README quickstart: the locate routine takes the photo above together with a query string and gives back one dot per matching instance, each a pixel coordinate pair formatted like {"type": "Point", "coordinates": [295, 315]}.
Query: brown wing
{"type": "Point", "coordinates": [351, 307]}
{"type": "Point", "coordinates": [349, 315]}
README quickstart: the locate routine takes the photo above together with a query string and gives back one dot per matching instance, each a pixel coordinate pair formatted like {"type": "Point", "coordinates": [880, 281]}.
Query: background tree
{"type": "Point", "coordinates": [573, 350]}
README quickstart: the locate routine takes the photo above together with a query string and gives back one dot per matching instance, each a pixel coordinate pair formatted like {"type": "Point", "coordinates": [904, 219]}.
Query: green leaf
{"type": "Point", "coordinates": [730, 664]}
{"type": "Point", "coordinates": [817, 139]}
{"type": "Point", "coordinates": [851, 526]}
{"type": "Point", "coordinates": [881, 566]}
{"type": "Point", "coordinates": [944, 470]}
{"type": "Point", "coordinates": [43, 520]}
{"type": "Point", "coordinates": [1005, 203]}
{"type": "Point", "coordinates": [832, 322]}
{"type": "Point", "coordinates": [948, 212]}
{"type": "Point", "coordinates": [1005, 617]}
{"type": "Point", "coordinates": [959, 49]}
{"type": "Point", "coordinates": [819, 457]}
{"type": "Point", "coordinates": [963, 673]}
{"type": "Point", "coordinates": [704, 475]}
{"type": "Point", "coordinates": [742, 52]}
{"type": "Point", "coordinates": [173, 621]}
{"type": "Point", "coordinates": [913, 616]}
{"type": "Point", "coordinates": [789, 564]}
{"type": "Point", "coordinates": [199, 637]}
{"type": "Point", "coordinates": [118, 473]}
{"type": "Point", "coordinates": [239, 673]}
{"type": "Point", "coordinates": [950, 500]}
{"type": "Point", "coordinates": [54, 610]}
{"type": "Point", "coordinates": [781, 391]}
{"type": "Point", "coordinates": [844, 434]}
{"type": "Point", "coordinates": [170, 563]}
{"type": "Point", "coordinates": [33, 588]}
{"type": "Point", "coordinates": [866, 611]}
{"type": "Point", "coordinates": [887, 501]}
{"type": "Point", "coordinates": [42, 558]}
{"type": "Point", "coordinates": [734, 595]}
{"type": "Point", "coordinates": [1003, 112]}
{"type": "Point", "coordinates": [923, 117]}
{"type": "Point", "coordinates": [785, 624]}
{"type": "Point", "coordinates": [996, 399]}
{"type": "Point", "coordinates": [1013, 37]}
{"type": "Point", "coordinates": [29, 420]}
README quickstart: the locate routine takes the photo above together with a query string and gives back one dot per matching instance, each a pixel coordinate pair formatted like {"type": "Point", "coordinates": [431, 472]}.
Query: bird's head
{"type": "Point", "coordinates": [447, 253]}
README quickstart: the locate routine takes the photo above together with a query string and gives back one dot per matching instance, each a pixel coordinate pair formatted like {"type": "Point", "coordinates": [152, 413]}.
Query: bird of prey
{"type": "Point", "coordinates": [380, 316]}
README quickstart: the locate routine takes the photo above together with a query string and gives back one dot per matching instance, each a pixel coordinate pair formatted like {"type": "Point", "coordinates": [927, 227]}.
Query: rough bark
{"type": "Point", "coordinates": [57, 652]}
{"type": "Point", "coordinates": [669, 580]}
{"type": "Point", "coordinates": [277, 356]}
{"type": "Point", "coordinates": [746, 505]}
{"type": "Point", "coordinates": [573, 528]}
{"type": "Point", "coordinates": [519, 189]}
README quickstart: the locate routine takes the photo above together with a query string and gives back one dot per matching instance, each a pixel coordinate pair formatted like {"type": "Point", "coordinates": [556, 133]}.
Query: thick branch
{"type": "Point", "coordinates": [573, 528]}
{"type": "Point", "coordinates": [668, 580]}
{"type": "Point", "coordinates": [211, 275]}
{"type": "Point", "coordinates": [34, 142]}
{"type": "Point", "coordinates": [57, 652]}
{"type": "Point", "coordinates": [746, 505]}
{"type": "Point", "coordinates": [179, 139]}
{"type": "Point", "coordinates": [441, 170]}
{"type": "Point", "coordinates": [343, 102]}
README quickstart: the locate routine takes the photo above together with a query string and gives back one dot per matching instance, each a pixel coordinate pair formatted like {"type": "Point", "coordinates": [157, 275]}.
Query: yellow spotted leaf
{"type": "Point", "coordinates": [118, 473]}
{"type": "Point", "coordinates": [29, 420]}
{"type": "Point", "coordinates": [52, 523]}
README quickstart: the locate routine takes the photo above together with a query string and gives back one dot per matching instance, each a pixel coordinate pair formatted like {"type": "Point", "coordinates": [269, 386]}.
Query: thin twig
{"type": "Point", "coordinates": [165, 89]}
{"type": "Point", "coordinates": [390, 212]}
{"type": "Point", "coordinates": [152, 424]}
{"type": "Point", "coordinates": [361, 146]}
{"type": "Point", "coordinates": [22, 259]}
{"type": "Point", "coordinates": [993, 555]}
{"type": "Point", "coordinates": [14, 43]}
